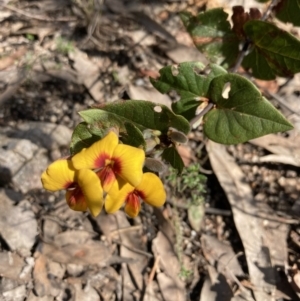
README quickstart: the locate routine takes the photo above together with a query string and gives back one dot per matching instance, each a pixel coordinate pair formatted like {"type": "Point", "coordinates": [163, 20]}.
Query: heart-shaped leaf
{"type": "Point", "coordinates": [212, 35]}
{"type": "Point", "coordinates": [189, 81]}
{"type": "Point", "coordinates": [276, 52]}
{"type": "Point", "coordinates": [245, 114]}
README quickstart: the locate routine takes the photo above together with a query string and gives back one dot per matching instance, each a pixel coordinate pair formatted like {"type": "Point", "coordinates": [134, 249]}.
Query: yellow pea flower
{"type": "Point", "coordinates": [83, 187]}
{"type": "Point", "coordinates": [112, 160]}
{"type": "Point", "coordinates": [150, 190]}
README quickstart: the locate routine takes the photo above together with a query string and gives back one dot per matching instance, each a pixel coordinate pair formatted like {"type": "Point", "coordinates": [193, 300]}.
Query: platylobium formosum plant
{"type": "Point", "coordinates": [119, 148]}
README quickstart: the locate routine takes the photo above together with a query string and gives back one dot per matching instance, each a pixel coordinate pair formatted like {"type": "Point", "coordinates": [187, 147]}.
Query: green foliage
{"type": "Point", "coordinates": [172, 156]}
{"type": "Point", "coordinates": [276, 52]}
{"type": "Point", "coordinates": [212, 35]}
{"type": "Point", "coordinates": [241, 115]}
{"type": "Point", "coordinates": [289, 11]}
{"type": "Point", "coordinates": [64, 46]}
{"type": "Point", "coordinates": [190, 82]}
{"type": "Point", "coordinates": [245, 114]}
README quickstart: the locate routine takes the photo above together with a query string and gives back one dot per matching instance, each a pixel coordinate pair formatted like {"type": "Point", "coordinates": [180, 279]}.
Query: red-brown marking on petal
{"type": "Point", "coordinates": [133, 200]}
{"type": "Point", "coordinates": [116, 165]}
{"type": "Point", "coordinates": [75, 199]}
{"type": "Point", "coordinates": [107, 176]}
{"type": "Point", "coordinates": [100, 161]}
{"type": "Point", "coordinates": [140, 193]}
{"type": "Point", "coordinates": [70, 185]}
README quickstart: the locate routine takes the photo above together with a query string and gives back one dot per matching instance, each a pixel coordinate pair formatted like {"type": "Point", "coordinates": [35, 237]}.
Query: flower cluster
{"type": "Point", "coordinates": [107, 173]}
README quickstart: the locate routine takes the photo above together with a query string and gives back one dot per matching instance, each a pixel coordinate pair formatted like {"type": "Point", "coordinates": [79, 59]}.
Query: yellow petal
{"type": "Point", "coordinates": [59, 175]}
{"type": "Point", "coordinates": [117, 196]}
{"type": "Point", "coordinates": [91, 188]}
{"type": "Point", "coordinates": [95, 156]}
{"type": "Point", "coordinates": [129, 163]}
{"type": "Point", "coordinates": [151, 190]}
{"type": "Point", "coordinates": [133, 205]}
{"type": "Point", "coordinates": [75, 199]}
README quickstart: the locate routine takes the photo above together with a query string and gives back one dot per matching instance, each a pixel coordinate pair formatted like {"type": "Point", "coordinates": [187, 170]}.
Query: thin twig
{"type": "Point", "coordinates": [121, 230]}
{"type": "Point", "coordinates": [269, 9]}
{"type": "Point", "coordinates": [133, 249]}
{"type": "Point", "coordinates": [154, 268]}
{"type": "Point", "coordinates": [40, 18]}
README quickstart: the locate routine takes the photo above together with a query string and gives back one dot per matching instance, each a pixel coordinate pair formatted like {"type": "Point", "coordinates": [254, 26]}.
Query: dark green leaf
{"type": "Point", "coordinates": [277, 51]}
{"type": "Point", "coordinates": [133, 136]}
{"type": "Point", "coordinates": [244, 115]}
{"type": "Point", "coordinates": [289, 11]}
{"type": "Point", "coordinates": [186, 79]}
{"type": "Point", "coordinates": [82, 137]}
{"type": "Point", "coordinates": [171, 155]}
{"type": "Point", "coordinates": [143, 114]}
{"type": "Point", "coordinates": [212, 35]}
{"type": "Point", "coordinates": [258, 65]}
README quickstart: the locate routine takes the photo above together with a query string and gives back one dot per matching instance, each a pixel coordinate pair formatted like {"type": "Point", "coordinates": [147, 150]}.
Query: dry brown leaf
{"type": "Point", "coordinates": [42, 285]}
{"type": "Point", "coordinates": [264, 239]}
{"type": "Point", "coordinates": [151, 94]}
{"type": "Point", "coordinates": [285, 150]}
{"type": "Point", "coordinates": [162, 247]}
{"type": "Point", "coordinates": [91, 252]}
{"type": "Point", "coordinates": [221, 255]}
{"type": "Point", "coordinates": [88, 73]}
{"type": "Point", "coordinates": [11, 265]}
{"type": "Point", "coordinates": [7, 61]}
{"type": "Point", "coordinates": [130, 241]}
{"type": "Point", "coordinates": [182, 53]}
{"type": "Point", "coordinates": [169, 289]}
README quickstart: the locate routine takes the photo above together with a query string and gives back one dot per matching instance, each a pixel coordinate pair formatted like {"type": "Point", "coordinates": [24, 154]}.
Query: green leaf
{"type": "Point", "coordinates": [133, 136]}
{"type": "Point", "coordinates": [212, 35]}
{"type": "Point", "coordinates": [244, 115]}
{"type": "Point", "coordinates": [171, 155]}
{"type": "Point", "coordinates": [288, 11]}
{"type": "Point", "coordinates": [186, 79]}
{"type": "Point", "coordinates": [259, 65]}
{"type": "Point", "coordinates": [82, 137]}
{"type": "Point", "coordinates": [275, 51]}
{"type": "Point", "coordinates": [143, 114]}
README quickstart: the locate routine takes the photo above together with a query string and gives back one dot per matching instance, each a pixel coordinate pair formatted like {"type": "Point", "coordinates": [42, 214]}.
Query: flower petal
{"type": "Point", "coordinates": [152, 190]}
{"type": "Point", "coordinates": [133, 205]}
{"type": "Point", "coordinates": [92, 190]}
{"type": "Point", "coordinates": [75, 199]}
{"type": "Point", "coordinates": [129, 162]}
{"type": "Point", "coordinates": [117, 195]}
{"type": "Point", "coordinates": [59, 175]}
{"type": "Point", "coordinates": [95, 156]}
{"type": "Point", "coordinates": [107, 177]}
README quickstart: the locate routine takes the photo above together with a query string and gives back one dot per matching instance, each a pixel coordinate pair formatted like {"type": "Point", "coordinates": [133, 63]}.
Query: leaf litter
{"type": "Point", "coordinates": [57, 59]}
